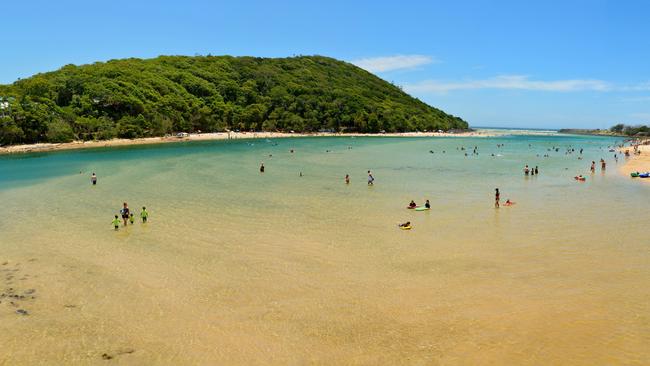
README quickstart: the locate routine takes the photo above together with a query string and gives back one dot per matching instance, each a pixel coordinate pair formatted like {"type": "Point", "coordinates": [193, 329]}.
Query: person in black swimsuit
{"type": "Point", "coordinates": [125, 212]}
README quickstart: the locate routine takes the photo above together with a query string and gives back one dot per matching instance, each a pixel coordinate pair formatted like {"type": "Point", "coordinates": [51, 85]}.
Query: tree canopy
{"type": "Point", "coordinates": [136, 98]}
{"type": "Point", "coordinates": [640, 130]}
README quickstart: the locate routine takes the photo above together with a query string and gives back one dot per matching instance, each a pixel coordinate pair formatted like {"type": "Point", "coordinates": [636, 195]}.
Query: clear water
{"type": "Point", "coordinates": [238, 267]}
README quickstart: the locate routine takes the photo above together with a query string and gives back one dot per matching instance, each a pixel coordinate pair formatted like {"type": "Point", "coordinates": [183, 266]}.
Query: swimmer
{"type": "Point", "coordinates": [347, 179]}
{"type": "Point", "coordinates": [93, 179]}
{"type": "Point", "coordinates": [144, 214]}
{"type": "Point", "coordinates": [406, 224]}
{"type": "Point", "coordinates": [116, 223]}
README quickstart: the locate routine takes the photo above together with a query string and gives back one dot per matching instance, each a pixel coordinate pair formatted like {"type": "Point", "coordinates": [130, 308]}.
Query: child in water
{"type": "Point", "coordinates": [144, 214]}
{"type": "Point", "coordinates": [427, 204]}
{"type": "Point", "coordinates": [131, 218]}
{"type": "Point", "coordinates": [116, 222]}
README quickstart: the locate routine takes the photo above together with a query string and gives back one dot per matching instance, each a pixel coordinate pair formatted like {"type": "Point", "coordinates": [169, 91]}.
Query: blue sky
{"type": "Point", "coordinates": [541, 64]}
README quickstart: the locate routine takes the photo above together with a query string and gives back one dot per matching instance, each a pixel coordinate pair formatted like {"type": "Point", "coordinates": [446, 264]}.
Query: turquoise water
{"type": "Point", "coordinates": [236, 266]}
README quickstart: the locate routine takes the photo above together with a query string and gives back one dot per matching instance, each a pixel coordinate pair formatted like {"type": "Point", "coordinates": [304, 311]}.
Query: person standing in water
{"type": "Point", "coordinates": [125, 212]}
{"type": "Point", "coordinates": [116, 223]}
{"type": "Point", "coordinates": [497, 196]}
{"type": "Point", "coordinates": [526, 170]}
{"type": "Point", "coordinates": [93, 178]}
{"type": "Point", "coordinates": [262, 168]}
{"type": "Point", "coordinates": [347, 179]}
{"type": "Point", "coordinates": [593, 166]}
{"type": "Point", "coordinates": [144, 215]}
{"type": "Point", "coordinates": [536, 170]}
{"type": "Point", "coordinates": [427, 204]}
{"type": "Point", "coordinates": [602, 164]}
{"type": "Point", "coordinates": [371, 179]}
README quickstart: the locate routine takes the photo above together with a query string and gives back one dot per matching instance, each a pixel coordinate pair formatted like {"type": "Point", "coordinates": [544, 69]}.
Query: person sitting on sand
{"type": "Point", "coordinates": [116, 222]}
{"type": "Point", "coordinates": [144, 214]}
{"type": "Point", "coordinates": [412, 204]}
{"type": "Point", "coordinates": [427, 204]}
{"type": "Point", "coordinates": [125, 212]}
{"type": "Point", "coordinates": [93, 178]}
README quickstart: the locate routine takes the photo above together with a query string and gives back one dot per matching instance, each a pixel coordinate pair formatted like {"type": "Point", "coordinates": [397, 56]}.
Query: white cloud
{"type": "Point", "coordinates": [391, 63]}
{"type": "Point", "coordinates": [512, 82]}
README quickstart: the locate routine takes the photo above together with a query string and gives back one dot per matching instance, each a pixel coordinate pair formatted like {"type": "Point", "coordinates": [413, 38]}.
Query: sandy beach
{"type": "Point", "coordinates": [637, 163]}
{"type": "Point", "coordinates": [214, 136]}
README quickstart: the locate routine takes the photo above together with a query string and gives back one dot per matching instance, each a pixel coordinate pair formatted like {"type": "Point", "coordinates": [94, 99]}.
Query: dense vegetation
{"type": "Point", "coordinates": [135, 98]}
{"type": "Point", "coordinates": [631, 130]}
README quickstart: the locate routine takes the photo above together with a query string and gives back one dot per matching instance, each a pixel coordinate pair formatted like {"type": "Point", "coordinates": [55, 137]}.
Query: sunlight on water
{"type": "Point", "coordinates": [238, 267]}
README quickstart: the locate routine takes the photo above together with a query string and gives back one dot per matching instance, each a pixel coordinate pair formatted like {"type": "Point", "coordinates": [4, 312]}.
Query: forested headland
{"type": "Point", "coordinates": [132, 98]}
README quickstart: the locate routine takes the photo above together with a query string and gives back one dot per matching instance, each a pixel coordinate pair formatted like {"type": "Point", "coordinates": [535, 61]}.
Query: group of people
{"type": "Point", "coordinates": [413, 205]}
{"type": "Point", "coordinates": [531, 171]}
{"type": "Point", "coordinates": [128, 216]}
{"type": "Point", "coordinates": [497, 199]}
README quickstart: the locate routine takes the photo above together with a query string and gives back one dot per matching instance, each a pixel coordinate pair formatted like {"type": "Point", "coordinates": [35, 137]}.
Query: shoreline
{"type": "Point", "coordinates": [637, 163]}
{"type": "Point", "coordinates": [48, 147]}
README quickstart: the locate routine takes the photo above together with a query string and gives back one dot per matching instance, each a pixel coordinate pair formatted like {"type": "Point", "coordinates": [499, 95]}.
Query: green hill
{"type": "Point", "coordinates": [134, 98]}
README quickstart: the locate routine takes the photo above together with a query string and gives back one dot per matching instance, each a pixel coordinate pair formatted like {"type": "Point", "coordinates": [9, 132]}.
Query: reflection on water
{"type": "Point", "coordinates": [236, 267]}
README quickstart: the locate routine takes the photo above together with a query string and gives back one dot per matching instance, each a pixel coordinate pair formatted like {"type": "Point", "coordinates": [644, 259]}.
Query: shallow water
{"type": "Point", "coordinates": [238, 267]}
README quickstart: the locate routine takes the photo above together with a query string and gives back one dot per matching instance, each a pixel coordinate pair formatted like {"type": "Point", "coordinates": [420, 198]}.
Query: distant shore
{"type": "Point", "coordinates": [44, 147]}
{"type": "Point", "coordinates": [596, 132]}
{"type": "Point", "coordinates": [637, 163]}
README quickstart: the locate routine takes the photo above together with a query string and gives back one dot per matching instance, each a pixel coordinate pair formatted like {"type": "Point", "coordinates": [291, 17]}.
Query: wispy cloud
{"type": "Point", "coordinates": [391, 63]}
{"type": "Point", "coordinates": [513, 82]}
